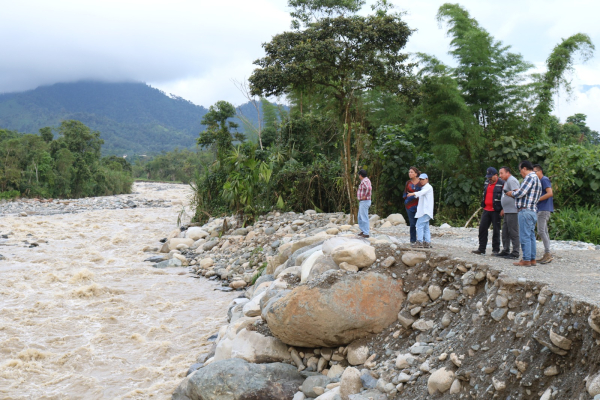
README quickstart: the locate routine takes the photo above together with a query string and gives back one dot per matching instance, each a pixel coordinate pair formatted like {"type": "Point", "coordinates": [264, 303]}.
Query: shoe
{"type": "Point", "coordinates": [546, 258]}
{"type": "Point", "coordinates": [512, 256]}
{"type": "Point", "coordinates": [533, 263]}
{"type": "Point", "coordinates": [523, 263]}
{"type": "Point", "coordinates": [417, 245]}
{"type": "Point", "coordinates": [478, 252]}
{"type": "Point", "coordinates": [501, 254]}
{"type": "Point", "coordinates": [365, 236]}
{"type": "Point", "coordinates": [427, 245]}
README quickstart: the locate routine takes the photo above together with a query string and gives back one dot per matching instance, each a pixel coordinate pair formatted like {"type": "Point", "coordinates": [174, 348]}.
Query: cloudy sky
{"type": "Point", "coordinates": [197, 48]}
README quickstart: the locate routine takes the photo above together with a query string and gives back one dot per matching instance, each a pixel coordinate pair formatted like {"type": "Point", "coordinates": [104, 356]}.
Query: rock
{"type": "Point", "coordinates": [308, 264]}
{"type": "Point", "coordinates": [314, 381]}
{"type": "Point", "coordinates": [359, 254]}
{"type": "Point", "coordinates": [350, 383]}
{"type": "Point", "coordinates": [206, 263]}
{"type": "Point", "coordinates": [194, 367]}
{"type": "Point", "coordinates": [173, 262]}
{"type": "Point", "coordinates": [264, 278]}
{"type": "Point", "coordinates": [445, 226]}
{"type": "Point", "coordinates": [330, 244]}
{"type": "Point", "coordinates": [434, 292]}
{"type": "Point", "coordinates": [440, 381]}
{"type": "Point", "coordinates": [358, 352]}
{"type": "Point", "coordinates": [396, 219]}
{"type": "Point", "coordinates": [405, 320]}
{"type": "Point", "coordinates": [196, 233]}
{"type": "Point", "coordinates": [560, 341]}
{"type": "Point", "coordinates": [423, 325]}
{"type": "Point", "coordinates": [501, 302]}
{"type": "Point", "coordinates": [240, 232]}
{"type": "Point", "coordinates": [405, 361]}
{"type": "Point", "coordinates": [403, 377]}
{"type": "Point", "coordinates": [456, 386]}
{"type": "Point", "coordinates": [386, 224]}
{"type": "Point", "coordinates": [153, 259]}
{"type": "Point", "coordinates": [547, 394]}
{"type": "Point", "coordinates": [297, 360]}
{"type": "Point", "coordinates": [243, 380]}
{"type": "Point", "coordinates": [332, 231]}
{"type": "Point", "coordinates": [371, 394]}
{"type": "Point", "coordinates": [256, 348]}
{"type": "Point", "coordinates": [388, 262]}
{"type": "Point", "coordinates": [348, 267]}
{"type": "Point", "coordinates": [299, 396]}
{"type": "Point", "coordinates": [551, 370]}
{"type": "Point", "coordinates": [455, 360]}
{"type": "Point", "coordinates": [449, 294]}
{"type": "Point", "coordinates": [238, 284]}
{"type": "Point", "coordinates": [418, 297]}
{"type": "Point", "coordinates": [197, 244]}
{"type": "Point", "coordinates": [252, 308]}
{"type": "Point", "coordinates": [593, 385]}
{"type": "Point", "coordinates": [594, 320]}
{"type": "Point", "coordinates": [333, 394]}
{"type": "Point", "coordinates": [413, 258]}
{"type": "Point", "coordinates": [250, 236]}
{"type": "Point", "coordinates": [498, 384]}
{"type": "Point", "coordinates": [208, 246]}
{"type": "Point", "coordinates": [322, 264]}
{"type": "Point", "coordinates": [298, 222]}
{"type": "Point", "coordinates": [335, 371]}
{"type": "Point", "coordinates": [337, 313]}
{"type": "Point", "coordinates": [173, 243]}
{"type": "Point", "coordinates": [307, 241]}
{"type": "Point", "coordinates": [499, 313]}
{"type": "Point", "coordinates": [296, 271]}
{"type": "Point", "coordinates": [310, 212]}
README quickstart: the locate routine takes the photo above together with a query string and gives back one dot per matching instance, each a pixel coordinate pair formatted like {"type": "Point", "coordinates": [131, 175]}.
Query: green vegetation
{"type": "Point", "coordinates": [68, 166]}
{"type": "Point", "coordinates": [357, 102]}
{"type": "Point", "coordinates": [581, 224]}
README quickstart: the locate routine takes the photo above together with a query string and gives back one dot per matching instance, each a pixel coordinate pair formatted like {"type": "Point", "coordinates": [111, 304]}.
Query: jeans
{"type": "Point", "coordinates": [510, 233]}
{"type": "Point", "coordinates": [527, 221]}
{"type": "Point", "coordinates": [542, 228]}
{"type": "Point", "coordinates": [423, 234]}
{"type": "Point", "coordinates": [363, 215]}
{"type": "Point", "coordinates": [489, 218]}
{"type": "Point", "coordinates": [412, 220]}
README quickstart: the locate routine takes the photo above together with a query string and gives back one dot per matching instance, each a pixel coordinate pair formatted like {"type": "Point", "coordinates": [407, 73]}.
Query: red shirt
{"type": "Point", "coordinates": [364, 189]}
{"type": "Point", "coordinates": [489, 197]}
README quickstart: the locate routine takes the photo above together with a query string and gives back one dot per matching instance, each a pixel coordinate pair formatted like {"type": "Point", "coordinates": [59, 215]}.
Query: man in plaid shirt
{"type": "Point", "coordinates": [526, 199]}
{"type": "Point", "coordinates": [364, 202]}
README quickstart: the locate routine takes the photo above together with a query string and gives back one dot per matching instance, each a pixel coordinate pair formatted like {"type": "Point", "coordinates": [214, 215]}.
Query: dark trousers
{"type": "Point", "coordinates": [510, 233]}
{"type": "Point", "coordinates": [489, 218]}
{"type": "Point", "coordinates": [412, 221]}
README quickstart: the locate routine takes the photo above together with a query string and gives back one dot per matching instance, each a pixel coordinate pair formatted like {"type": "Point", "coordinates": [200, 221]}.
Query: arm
{"type": "Point", "coordinates": [405, 193]}
{"type": "Point", "coordinates": [527, 183]}
{"type": "Point", "coordinates": [424, 190]}
{"type": "Point", "coordinates": [547, 195]}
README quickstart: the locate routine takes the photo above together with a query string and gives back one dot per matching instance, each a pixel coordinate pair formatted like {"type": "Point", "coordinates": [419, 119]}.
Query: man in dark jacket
{"type": "Point", "coordinates": [492, 205]}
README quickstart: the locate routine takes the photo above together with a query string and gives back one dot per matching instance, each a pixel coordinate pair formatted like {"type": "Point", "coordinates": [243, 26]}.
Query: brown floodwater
{"type": "Point", "coordinates": [83, 317]}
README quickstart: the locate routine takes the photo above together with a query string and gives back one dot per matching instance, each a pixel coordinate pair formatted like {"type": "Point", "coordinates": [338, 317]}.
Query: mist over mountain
{"type": "Point", "coordinates": [132, 117]}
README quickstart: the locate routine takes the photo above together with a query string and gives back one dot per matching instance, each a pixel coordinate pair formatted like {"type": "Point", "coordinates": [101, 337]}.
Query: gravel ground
{"type": "Point", "coordinates": [575, 270]}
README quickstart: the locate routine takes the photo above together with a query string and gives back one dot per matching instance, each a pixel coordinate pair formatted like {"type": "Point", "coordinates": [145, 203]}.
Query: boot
{"type": "Point", "coordinates": [523, 263]}
{"type": "Point", "coordinates": [546, 258]}
{"type": "Point", "coordinates": [417, 245]}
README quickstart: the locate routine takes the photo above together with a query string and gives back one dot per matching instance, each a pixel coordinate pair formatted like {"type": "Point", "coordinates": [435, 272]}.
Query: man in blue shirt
{"type": "Point", "coordinates": [545, 209]}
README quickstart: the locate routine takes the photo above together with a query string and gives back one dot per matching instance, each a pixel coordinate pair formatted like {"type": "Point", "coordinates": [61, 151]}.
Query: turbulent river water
{"type": "Point", "coordinates": [83, 317]}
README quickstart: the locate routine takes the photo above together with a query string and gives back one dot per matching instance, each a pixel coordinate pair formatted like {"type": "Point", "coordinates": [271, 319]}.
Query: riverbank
{"type": "Point", "coordinates": [362, 319]}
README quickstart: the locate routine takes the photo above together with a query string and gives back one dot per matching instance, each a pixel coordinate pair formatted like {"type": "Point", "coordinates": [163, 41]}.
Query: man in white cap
{"type": "Point", "coordinates": [424, 212]}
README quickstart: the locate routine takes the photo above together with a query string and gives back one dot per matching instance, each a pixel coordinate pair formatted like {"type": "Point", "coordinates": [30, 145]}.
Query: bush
{"type": "Point", "coordinates": [580, 224]}
{"type": "Point", "coordinates": [10, 194]}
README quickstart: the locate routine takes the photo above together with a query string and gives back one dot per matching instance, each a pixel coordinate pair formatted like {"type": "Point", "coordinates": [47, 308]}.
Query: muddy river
{"type": "Point", "coordinates": [83, 317]}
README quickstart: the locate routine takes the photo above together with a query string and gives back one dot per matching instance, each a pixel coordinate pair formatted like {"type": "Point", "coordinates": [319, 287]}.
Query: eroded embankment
{"type": "Point", "coordinates": [375, 319]}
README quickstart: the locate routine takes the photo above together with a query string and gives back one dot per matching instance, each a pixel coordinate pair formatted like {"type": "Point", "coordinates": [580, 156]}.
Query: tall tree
{"type": "Point", "coordinates": [340, 58]}
{"type": "Point", "coordinates": [220, 131]}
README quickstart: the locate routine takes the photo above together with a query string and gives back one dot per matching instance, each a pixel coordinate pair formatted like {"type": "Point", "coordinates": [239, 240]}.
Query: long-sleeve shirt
{"type": "Point", "coordinates": [410, 202]}
{"type": "Point", "coordinates": [425, 196]}
{"type": "Point", "coordinates": [527, 196]}
{"type": "Point", "coordinates": [364, 190]}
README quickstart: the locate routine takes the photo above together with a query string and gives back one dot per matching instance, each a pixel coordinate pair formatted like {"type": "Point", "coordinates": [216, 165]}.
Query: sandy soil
{"type": "Point", "coordinates": [84, 317]}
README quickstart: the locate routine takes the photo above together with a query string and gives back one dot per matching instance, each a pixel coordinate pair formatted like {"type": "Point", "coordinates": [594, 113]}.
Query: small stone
{"type": "Point", "coordinates": [423, 325]}
{"type": "Point", "coordinates": [418, 297]}
{"type": "Point", "coordinates": [455, 360]}
{"type": "Point", "coordinates": [560, 341]}
{"type": "Point", "coordinates": [501, 301]}
{"type": "Point", "coordinates": [593, 385]}
{"type": "Point", "coordinates": [446, 320]}
{"type": "Point", "coordinates": [404, 361]}
{"type": "Point", "coordinates": [388, 262]}
{"type": "Point", "coordinates": [456, 386]}
{"type": "Point", "coordinates": [237, 284]}
{"type": "Point", "coordinates": [403, 378]}
{"type": "Point", "coordinates": [440, 381]}
{"type": "Point", "coordinates": [357, 353]}
{"type": "Point", "coordinates": [348, 267]}
{"type": "Point", "coordinates": [498, 384]}
{"type": "Point", "coordinates": [449, 294]}
{"type": "Point", "coordinates": [551, 370]}
{"type": "Point", "coordinates": [411, 258]}
{"type": "Point", "coordinates": [443, 357]}
{"type": "Point", "coordinates": [434, 292]}
{"type": "Point", "coordinates": [405, 320]}
{"type": "Point", "coordinates": [499, 313]}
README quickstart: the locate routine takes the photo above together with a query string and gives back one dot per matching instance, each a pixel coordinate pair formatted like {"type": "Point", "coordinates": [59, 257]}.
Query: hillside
{"type": "Point", "coordinates": [133, 118]}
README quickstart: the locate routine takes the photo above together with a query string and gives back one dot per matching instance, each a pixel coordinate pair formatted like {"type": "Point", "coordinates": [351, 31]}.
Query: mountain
{"type": "Point", "coordinates": [132, 117]}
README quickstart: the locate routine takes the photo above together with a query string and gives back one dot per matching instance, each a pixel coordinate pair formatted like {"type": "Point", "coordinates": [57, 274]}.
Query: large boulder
{"type": "Point", "coordinates": [236, 379]}
{"type": "Point", "coordinates": [257, 348]}
{"type": "Point", "coordinates": [335, 311]}
{"type": "Point", "coordinates": [173, 243]}
{"type": "Point", "coordinates": [321, 265]}
{"type": "Point", "coordinates": [360, 254]}
{"type": "Point", "coordinates": [308, 264]}
{"type": "Point", "coordinates": [307, 241]}
{"type": "Point", "coordinates": [330, 244]}
{"type": "Point", "coordinates": [196, 233]}
{"type": "Point", "coordinates": [396, 219]}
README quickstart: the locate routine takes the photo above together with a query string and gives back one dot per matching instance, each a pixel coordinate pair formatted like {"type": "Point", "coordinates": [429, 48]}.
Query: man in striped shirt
{"type": "Point", "coordinates": [364, 202]}
{"type": "Point", "coordinates": [526, 199]}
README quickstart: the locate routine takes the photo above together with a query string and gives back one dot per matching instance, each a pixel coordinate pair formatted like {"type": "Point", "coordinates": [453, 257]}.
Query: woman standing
{"type": "Point", "coordinates": [411, 203]}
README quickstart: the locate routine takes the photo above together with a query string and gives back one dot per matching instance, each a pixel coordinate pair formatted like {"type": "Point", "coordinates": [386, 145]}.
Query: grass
{"type": "Point", "coordinates": [580, 224]}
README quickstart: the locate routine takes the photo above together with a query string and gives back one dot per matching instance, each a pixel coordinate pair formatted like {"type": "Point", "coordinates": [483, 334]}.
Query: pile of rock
{"type": "Point", "coordinates": [333, 316]}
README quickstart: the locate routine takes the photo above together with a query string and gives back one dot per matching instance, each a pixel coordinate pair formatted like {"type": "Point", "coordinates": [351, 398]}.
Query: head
{"type": "Point", "coordinates": [525, 168]}
{"type": "Point", "coordinates": [539, 171]}
{"type": "Point", "coordinates": [423, 179]}
{"type": "Point", "coordinates": [413, 172]}
{"type": "Point", "coordinates": [505, 173]}
{"type": "Point", "coordinates": [362, 174]}
{"type": "Point", "coordinates": [492, 174]}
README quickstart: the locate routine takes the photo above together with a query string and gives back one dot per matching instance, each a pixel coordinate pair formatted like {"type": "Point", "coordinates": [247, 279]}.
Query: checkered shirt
{"type": "Point", "coordinates": [364, 189]}
{"type": "Point", "coordinates": [527, 196]}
